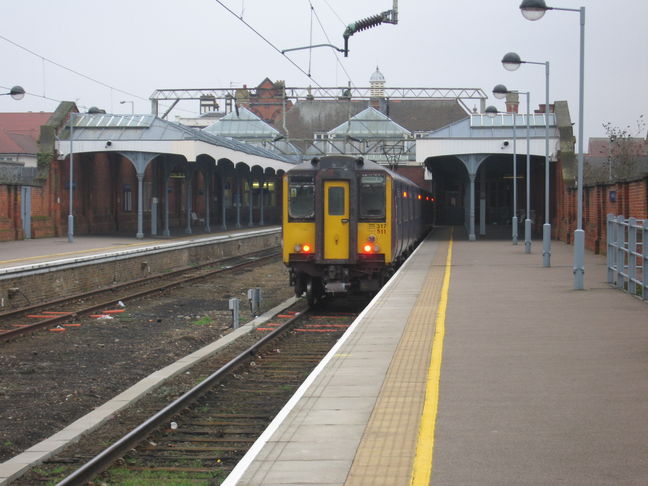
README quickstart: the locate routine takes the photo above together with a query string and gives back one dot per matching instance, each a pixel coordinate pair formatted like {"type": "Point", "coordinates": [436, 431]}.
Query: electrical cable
{"type": "Point", "coordinates": [335, 13]}
{"type": "Point", "coordinates": [43, 58]}
{"type": "Point", "coordinates": [71, 70]}
{"type": "Point", "coordinates": [337, 57]}
{"type": "Point", "coordinates": [269, 43]}
{"type": "Point", "coordinates": [310, 51]}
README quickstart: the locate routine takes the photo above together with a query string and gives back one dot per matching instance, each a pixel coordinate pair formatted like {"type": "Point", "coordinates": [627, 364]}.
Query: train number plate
{"type": "Point", "coordinates": [378, 228]}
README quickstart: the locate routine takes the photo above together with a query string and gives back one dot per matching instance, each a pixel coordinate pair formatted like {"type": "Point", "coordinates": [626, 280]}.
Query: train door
{"type": "Point", "coordinates": [336, 220]}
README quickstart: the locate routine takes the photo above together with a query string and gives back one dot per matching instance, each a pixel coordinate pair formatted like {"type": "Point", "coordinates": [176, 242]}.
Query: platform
{"type": "Point", "coordinates": [14, 254]}
{"type": "Point", "coordinates": [521, 381]}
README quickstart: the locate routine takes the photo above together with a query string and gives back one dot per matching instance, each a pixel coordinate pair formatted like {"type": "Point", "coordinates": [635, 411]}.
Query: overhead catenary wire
{"type": "Point", "coordinates": [337, 58]}
{"type": "Point", "coordinates": [335, 13]}
{"type": "Point", "coordinates": [310, 52]}
{"type": "Point", "coordinates": [267, 41]}
{"type": "Point", "coordinates": [73, 71]}
{"type": "Point", "coordinates": [44, 97]}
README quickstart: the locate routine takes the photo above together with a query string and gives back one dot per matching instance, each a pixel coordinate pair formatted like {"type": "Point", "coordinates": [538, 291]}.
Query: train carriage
{"type": "Point", "coordinates": [347, 224]}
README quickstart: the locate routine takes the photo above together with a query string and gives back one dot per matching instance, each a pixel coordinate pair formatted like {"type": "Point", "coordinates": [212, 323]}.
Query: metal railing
{"type": "Point", "coordinates": [627, 254]}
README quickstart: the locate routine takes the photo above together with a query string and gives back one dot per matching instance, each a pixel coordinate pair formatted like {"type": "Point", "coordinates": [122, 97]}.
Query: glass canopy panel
{"type": "Point", "coordinates": [506, 120]}
{"type": "Point", "coordinates": [88, 120]}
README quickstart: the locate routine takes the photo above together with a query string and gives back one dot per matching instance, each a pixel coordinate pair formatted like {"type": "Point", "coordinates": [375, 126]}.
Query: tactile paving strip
{"type": "Point", "coordinates": [388, 446]}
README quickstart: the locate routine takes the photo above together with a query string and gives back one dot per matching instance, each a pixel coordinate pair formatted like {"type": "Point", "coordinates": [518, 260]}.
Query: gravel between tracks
{"type": "Point", "coordinates": [51, 379]}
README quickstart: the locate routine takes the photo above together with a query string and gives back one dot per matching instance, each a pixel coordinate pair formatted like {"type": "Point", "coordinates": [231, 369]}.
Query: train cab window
{"type": "Point", "coordinates": [301, 197]}
{"type": "Point", "coordinates": [372, 196]}
{"type": "Point", "coordinates": [336, 201]}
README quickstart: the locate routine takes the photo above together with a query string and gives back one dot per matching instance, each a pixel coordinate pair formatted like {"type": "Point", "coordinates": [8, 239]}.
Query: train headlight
{"type": "Point", "coordinates": [371, 238]}
{"type": "Point", "coordinates": [368, 248]}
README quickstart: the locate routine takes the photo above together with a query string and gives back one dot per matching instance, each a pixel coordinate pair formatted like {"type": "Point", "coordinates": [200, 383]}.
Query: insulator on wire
{"type": "Point", "coordinates": [363, 24]}
{"type": "Point", "coordinates": [390, 16]}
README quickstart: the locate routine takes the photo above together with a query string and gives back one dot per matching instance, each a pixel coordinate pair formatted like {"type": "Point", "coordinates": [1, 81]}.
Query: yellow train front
{"type": "Point", "coordinates": [347, 224]}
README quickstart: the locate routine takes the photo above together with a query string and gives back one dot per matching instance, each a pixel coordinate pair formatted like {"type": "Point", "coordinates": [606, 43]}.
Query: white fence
{"type": "Point", "coordinates": [627, 254]}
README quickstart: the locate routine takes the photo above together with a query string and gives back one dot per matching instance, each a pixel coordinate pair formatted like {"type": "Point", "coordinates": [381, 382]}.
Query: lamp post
{"type": "Point", "coordinates": [132, 103]}
{"type": "Point", "coordinates": [491, 111]}
{"type": "Point", "coordinates": [511, 61]}
{"type": "Point", "coordinates": [535, 10]}
{"type": "Point", "coordinates": [70, 228]}
{"type": "Point", "coordinates": [17, 93]}
{"type": "Point", "coordinates": [500, 92]}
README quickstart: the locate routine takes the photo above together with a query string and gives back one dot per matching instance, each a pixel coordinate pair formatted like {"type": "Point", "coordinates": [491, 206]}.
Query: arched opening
{"type": "Point", "coordinates": [449, 178]}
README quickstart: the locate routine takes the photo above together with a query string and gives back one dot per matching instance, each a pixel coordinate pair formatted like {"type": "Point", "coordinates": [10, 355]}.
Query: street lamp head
{"type": "Point", "coordinates": [533, 9]}
{"type": "Point", "coordinates": [17, 93]}
{"type": "Point", "coordinates": [511, 61]}
{"type": "Point", "coordinates": [500, 91]}
{"type": "Point", "coordinates": [491, 111]}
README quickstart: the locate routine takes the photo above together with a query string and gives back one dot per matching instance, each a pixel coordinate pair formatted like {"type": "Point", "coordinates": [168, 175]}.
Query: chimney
{"type": "Point", "coordinates": [512, 102]}
{"type": "Point", "coordinates": [543, 108]}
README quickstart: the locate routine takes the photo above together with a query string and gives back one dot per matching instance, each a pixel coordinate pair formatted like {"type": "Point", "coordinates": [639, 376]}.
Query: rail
{"type": "Point", "coordinates": [627, 255]}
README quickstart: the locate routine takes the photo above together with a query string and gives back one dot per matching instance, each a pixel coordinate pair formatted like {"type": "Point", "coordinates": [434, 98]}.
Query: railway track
{"type": "Point", "coordinates": [199, 437]}
{"type": "Point", "coordinates": [60, 313]}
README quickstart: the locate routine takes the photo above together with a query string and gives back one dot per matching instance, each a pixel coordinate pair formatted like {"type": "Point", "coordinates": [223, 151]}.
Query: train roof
{"type": "Point", "coordinates": [344, 161]}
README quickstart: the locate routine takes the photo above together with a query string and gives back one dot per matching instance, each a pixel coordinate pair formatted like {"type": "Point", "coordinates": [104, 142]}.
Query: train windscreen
{"type": "Point", "coordinates": [372, 196]}
{"type": "Point", "coordinates": [301, 197]}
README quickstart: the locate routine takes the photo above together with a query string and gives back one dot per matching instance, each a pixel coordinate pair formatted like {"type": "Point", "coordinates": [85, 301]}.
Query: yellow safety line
{"type": "Point", "coordinates": [422, 467]}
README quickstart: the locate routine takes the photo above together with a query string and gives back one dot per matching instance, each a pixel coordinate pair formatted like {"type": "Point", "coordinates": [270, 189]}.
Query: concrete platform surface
{"type": "Point", "coordinates": [539, 384]}
{"type": "Point", "coordinates": [14, 254]}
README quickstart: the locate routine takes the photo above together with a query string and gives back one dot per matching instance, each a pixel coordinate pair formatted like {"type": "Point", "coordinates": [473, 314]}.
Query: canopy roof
{"type": "Point", "coordinates": [370, 123]}
{"type": "Point", "coordinates": [147, 133]}
{"type": "Point", "coordinates": [242, 125]}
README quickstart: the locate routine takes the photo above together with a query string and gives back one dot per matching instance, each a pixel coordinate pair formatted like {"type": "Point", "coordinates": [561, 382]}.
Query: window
{"type": "Point", "coordinates": [301, 197]}
{"type": "Point", "coordinates": [128, 198]}
{"type": "Point", "coordinates": [336, 201]}
{"type": "Point", "coordinates": [372, 197]}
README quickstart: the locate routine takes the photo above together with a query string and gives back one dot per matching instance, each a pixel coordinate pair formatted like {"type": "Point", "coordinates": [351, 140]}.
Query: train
{"type": "Point", "coordinates": [348, 223]}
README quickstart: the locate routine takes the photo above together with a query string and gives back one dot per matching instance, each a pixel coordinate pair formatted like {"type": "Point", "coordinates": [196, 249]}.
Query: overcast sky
{"type": "Point", "coordinates": [132, 47]}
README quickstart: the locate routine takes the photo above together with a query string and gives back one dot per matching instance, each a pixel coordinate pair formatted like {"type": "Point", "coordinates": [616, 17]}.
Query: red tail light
{"type": "Point", "coordinates": [370, 248]}
{"type": "Point", "coordinates": [305, 248]}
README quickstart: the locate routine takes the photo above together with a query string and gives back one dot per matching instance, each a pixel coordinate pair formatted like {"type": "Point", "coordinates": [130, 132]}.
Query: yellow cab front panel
{"type": "Point", "coordinates": [336, 220]}
{"type": "Point", "coordinates": [378, 234]}
{"type": "Point", "coordinates": [296, 235]}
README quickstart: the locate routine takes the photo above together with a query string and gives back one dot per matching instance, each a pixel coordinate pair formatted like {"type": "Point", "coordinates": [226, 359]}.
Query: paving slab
{"type": "Point", "coordinates": [540, 384]}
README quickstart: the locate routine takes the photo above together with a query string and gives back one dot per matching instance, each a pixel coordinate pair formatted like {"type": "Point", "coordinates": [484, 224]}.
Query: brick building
{"type": "Point", "coordinates": [29, 192]}
{"type": "Point", "coordinates": [128, 174]}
